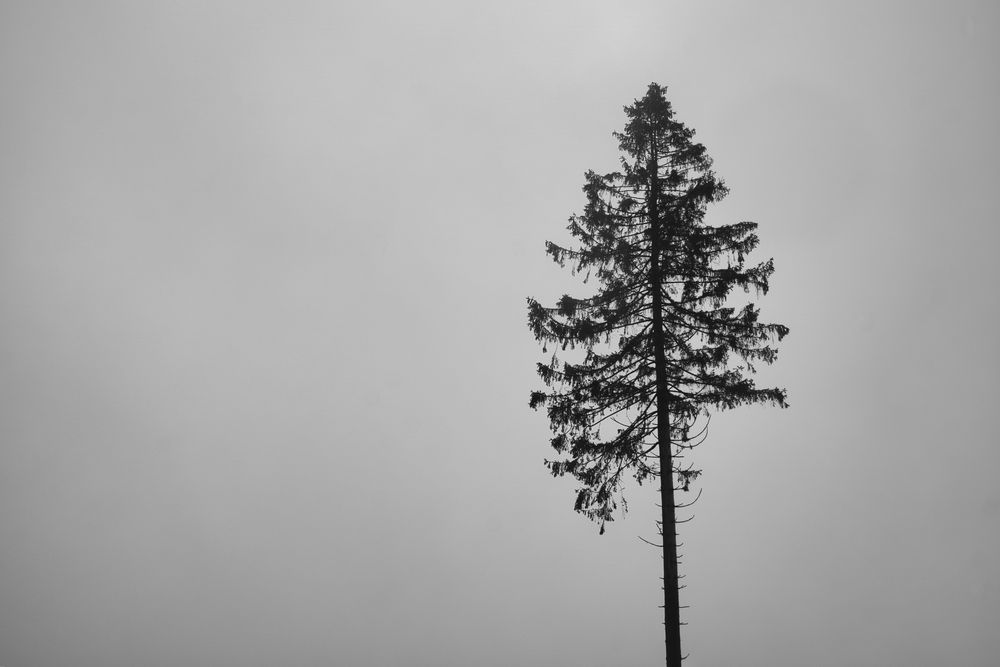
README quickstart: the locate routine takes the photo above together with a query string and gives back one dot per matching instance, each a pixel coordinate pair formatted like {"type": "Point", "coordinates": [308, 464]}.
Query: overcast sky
{"type": "Point", "coordinates": [264, 363]}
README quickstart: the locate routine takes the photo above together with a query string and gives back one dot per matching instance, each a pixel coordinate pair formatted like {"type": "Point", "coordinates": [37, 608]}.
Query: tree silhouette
{"type": "Point", "coordinates": [659, 344]}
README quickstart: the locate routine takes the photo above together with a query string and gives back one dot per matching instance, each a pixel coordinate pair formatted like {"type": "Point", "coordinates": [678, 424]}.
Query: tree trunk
{"type": "Point", "coordinates": [671, 597]}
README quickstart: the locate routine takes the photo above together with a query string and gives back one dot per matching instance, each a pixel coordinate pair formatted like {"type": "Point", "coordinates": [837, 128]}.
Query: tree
{"type": "Point", "coordinates": [659, 344]}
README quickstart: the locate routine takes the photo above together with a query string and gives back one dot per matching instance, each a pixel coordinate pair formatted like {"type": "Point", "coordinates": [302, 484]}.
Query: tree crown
{"type": "Point", "coordinates": [659, 267]}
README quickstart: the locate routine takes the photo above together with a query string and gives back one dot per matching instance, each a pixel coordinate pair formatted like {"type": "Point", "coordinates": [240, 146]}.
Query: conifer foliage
{"type": "Point", "coordinates": [638, 365]}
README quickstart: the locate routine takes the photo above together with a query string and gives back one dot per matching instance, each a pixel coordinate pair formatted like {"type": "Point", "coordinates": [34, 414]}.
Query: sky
{"type": "Point", "coordinates": [264, 362]}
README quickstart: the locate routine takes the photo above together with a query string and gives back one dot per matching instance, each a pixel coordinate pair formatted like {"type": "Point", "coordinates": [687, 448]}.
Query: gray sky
{"type": "Point", "coordinates": [264, 364]}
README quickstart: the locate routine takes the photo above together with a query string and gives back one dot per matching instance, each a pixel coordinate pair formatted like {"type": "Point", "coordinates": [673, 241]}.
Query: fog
{"type": "Point", "coordinates": [264, 363]}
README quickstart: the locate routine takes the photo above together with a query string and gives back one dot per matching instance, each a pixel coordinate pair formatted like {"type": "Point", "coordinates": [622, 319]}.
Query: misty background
{"type": "Point", "coordinates": [264, 365]}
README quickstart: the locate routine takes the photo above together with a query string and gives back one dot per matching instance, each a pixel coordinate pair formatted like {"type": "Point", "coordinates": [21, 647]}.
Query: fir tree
{"type": "Point", "coordinates": [659, 344]}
